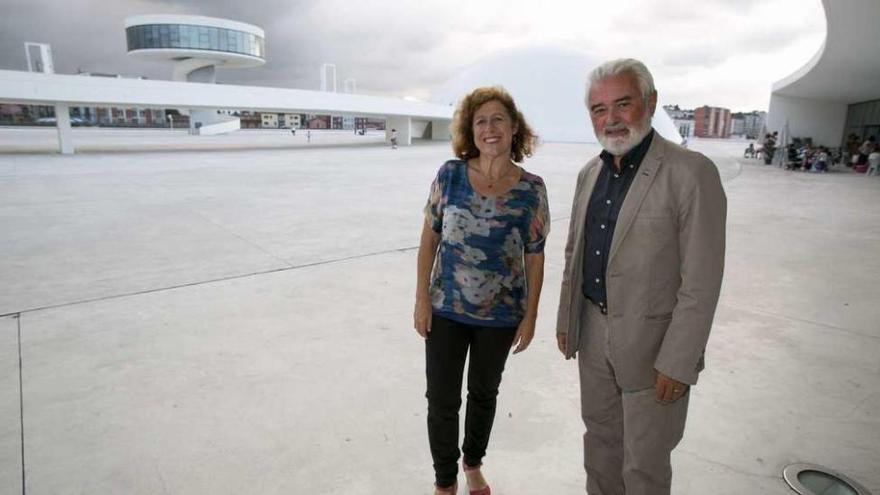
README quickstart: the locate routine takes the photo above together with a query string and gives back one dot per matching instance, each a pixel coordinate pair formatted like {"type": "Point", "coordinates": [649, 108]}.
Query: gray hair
{"type": "Point", "coordinates": [621, 66]}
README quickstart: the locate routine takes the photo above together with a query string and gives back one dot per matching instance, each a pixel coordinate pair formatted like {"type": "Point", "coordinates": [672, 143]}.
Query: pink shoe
{"type": "Point", "coordinates": [482, 491]}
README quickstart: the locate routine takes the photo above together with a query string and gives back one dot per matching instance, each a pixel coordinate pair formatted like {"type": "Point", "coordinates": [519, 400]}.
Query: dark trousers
{"type": "Point", "coordinates": [445, 351]}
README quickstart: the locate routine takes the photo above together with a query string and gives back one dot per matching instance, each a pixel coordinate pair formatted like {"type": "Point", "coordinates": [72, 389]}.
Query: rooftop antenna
{"type": "Point", "coordinates": [39, 57]}
{"type": "Point", "coordinates": [325, 71]}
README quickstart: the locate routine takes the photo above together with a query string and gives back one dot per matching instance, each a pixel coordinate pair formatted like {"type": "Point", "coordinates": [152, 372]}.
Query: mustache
{"type": "Point", "coordinates": [620, 126]}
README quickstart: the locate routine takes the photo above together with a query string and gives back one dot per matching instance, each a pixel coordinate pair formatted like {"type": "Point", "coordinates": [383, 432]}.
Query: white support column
{"type": "Point", "coordinates": [403, 125]}
{"type": "Point", "coordinates": [440, 130]}
{"type": "Point", "coordinates": [62, 122]}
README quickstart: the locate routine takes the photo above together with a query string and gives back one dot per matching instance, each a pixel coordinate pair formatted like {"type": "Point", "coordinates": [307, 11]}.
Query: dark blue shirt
{"type": "Point", "coordinates": [602, 210]}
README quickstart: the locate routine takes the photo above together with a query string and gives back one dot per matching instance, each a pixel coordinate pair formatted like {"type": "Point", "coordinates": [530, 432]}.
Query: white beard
{"type": "Point", "coordinates": [621, 145]}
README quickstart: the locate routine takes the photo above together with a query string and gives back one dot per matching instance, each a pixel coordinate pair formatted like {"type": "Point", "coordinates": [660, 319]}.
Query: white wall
{"type": "Point", "coordinates": [823, 121]}
{"type": "Point", "coordinates": [440, 130]}
{"type": "Point", "coordinates": [418, 128]}
{"type": "Point", "coordinates": [403, 125]}
{"type": "Point", "coordinates": [27, 87]}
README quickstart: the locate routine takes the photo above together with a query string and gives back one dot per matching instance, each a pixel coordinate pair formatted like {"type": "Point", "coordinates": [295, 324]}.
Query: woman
{"type": "Point", "coordinates": [480, 270]}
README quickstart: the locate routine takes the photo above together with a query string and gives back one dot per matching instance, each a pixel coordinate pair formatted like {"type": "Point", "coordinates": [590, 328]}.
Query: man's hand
{"type": "Point", "coordinates": [668, 389]}
{"type": "Point", "coordinates": [561, 340]}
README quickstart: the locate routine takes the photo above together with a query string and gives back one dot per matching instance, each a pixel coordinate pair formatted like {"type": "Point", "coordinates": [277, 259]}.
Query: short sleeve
{"type": "Point", "coordinates": [539, 224]}
{"type": "Point", "coordinates": [434, 207]}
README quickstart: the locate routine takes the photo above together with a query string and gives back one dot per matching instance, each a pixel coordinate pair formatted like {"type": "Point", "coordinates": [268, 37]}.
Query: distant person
{"type": "Point", "coordinates": [750, 151]}
{"type": "Point", "coordinates": [394, 139]}
{"type": "Point", "coordinates": [769, 148]}
{"type": "Point", "coordinates": [479, 276]}
{"type": "Point", "coordinates": [684, 142]}
{"type": "Point", "coordinates": [642, 275]}
{"type": "Point", "coordinates": [865, 149]}
{"type": "Point", "coordinates": [309, 136]}
{"type": "Point", "coordinates": [293, 131]}
{"type": "Point", "coordinates": [874, 162]}
{"type": "Point", "coordinates": [852, 150]}
{"type": "Point", "coordinates": [820, 161]}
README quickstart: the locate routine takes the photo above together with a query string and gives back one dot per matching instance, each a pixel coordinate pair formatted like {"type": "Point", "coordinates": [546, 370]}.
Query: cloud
{"type": "Point", "coordinates": [404, 48]}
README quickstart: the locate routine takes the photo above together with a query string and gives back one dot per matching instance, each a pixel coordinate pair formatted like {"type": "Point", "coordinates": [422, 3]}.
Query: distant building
{"type": "Point", "coordinates": [685, 127]}
{"type": "Point", "coordinates": [678, 113]}
{"type": "Point", "coordinates": [12, 114]}
{"type": "Point", "coordinates": [121, 117]}
{"type": "Point", "coordinates": [251, 120]}
{"type": "Point", "coordinates": [737, 125]}
{"type": "Point", "coordinates": [289, 120]}
{"type": "Point", "coordinates": [682, 119]}
{"type": "Point", "coordinates": [318, 122]}
{"type": "Point", "coordinates": [712, 122]}
{"type": "Point", "coordinates": [754, 124]}
{"type": "Point", "coordinates": [377, 124]}
{"type": "Point", "coordinates": [86, 115]}
{"type": "Point", "coordinates": [269, 120]}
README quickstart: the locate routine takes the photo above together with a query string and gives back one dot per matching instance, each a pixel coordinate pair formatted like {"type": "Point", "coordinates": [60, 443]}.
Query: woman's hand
{"type": "Point", "coordinates": [524, 335]}
{"type": "Point", "coordinates": [422, 316]}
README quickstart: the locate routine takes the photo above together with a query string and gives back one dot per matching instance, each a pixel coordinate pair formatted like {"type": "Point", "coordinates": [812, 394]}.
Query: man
{"type": "Point", "coordinates": [643, 266]}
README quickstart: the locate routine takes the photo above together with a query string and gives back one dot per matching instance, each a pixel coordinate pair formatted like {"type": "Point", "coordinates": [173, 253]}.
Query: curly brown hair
{"type": "Point", "coordinates": [524, 141]}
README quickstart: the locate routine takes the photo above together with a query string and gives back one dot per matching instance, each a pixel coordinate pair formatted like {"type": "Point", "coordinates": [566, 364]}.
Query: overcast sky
{"type": "Point", "coordinates": [716, 52]}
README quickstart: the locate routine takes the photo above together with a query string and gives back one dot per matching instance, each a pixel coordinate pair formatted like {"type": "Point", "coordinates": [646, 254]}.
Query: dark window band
{"type": "Point", "coordinates": [191, 37]}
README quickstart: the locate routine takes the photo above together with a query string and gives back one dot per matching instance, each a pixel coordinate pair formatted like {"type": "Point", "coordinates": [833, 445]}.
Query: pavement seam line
{"type": "Point", "coordinates": [20, 402]}
{"type": "Point", "coordinates": [210, 281]}
{"type": "Point", "coordinates": [233, 277]}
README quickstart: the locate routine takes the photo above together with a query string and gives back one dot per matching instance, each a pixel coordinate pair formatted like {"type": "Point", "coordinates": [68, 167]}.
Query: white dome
{"type": "Point", "coordinates": [548, 87]}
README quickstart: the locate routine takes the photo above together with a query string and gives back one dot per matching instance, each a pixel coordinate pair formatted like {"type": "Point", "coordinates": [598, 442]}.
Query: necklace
{"type": "Point", "coordinates": [489, 182]}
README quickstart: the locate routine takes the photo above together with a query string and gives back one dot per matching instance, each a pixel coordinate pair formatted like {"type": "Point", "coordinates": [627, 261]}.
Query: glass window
{"type": "Point", "coordinates": [203, 37]}
{"type": "Point", "coordinates": [186, 40]}
{"type": "Point", "coordinates": [164, 40]}
{"type": "Point", "coordinates": [194, 37]}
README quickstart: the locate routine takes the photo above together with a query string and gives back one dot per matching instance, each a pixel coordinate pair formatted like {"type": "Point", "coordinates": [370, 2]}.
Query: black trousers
{"type": "Point", "coordinates": [446, 348]}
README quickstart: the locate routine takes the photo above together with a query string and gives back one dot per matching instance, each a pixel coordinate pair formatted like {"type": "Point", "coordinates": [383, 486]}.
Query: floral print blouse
{"type": "Point", "coordinates": [479, 273]}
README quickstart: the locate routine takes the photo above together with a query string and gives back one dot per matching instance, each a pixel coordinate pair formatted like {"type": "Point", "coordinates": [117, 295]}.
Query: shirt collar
{"type": "Point", "coordinates": [632, 157]}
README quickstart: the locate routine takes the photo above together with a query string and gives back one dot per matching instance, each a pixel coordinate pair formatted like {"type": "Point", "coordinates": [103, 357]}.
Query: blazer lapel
{"type": "Point", "coordinates": [637, 192]}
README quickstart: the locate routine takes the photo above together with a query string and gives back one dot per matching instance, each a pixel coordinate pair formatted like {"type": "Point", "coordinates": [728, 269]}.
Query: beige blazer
{"type": "Point", "coordinates": [664, 267]}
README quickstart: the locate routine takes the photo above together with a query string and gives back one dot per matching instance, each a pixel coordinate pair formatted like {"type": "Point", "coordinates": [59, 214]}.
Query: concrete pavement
{"type": "Point", "coordinates": [239, 322]}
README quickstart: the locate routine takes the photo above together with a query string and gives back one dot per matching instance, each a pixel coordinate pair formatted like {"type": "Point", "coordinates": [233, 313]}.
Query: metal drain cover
{"type": "Point", "coordinates": [810, 479]}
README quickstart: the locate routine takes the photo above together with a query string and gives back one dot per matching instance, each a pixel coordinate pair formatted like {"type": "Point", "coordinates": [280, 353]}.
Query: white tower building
{"type": "Point", "coordinates": [197, 45]}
